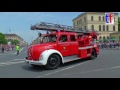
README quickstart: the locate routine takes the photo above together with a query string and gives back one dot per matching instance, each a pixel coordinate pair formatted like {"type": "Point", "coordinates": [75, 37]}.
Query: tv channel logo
{"type": "Point", "coordinates": [109, 18]}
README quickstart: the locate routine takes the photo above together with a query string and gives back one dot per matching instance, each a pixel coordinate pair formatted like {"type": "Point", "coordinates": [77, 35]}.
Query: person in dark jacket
{"type": "Point", "coordinates": [3, 49]}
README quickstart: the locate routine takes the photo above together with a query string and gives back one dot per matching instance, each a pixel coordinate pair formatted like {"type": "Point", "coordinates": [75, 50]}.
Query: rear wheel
{"type": "Point", "coordinates": [53, 62]}
{"type": "Point", "coordinates": [93, 55]}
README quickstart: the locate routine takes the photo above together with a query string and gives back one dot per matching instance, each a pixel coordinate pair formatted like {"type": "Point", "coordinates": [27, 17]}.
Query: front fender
{"type": "Point", "coordinates": [45, 55]}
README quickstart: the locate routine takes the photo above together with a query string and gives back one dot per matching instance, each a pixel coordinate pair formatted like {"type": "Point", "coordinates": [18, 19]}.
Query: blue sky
{"type": "Point", "coordinates": [20, 22]}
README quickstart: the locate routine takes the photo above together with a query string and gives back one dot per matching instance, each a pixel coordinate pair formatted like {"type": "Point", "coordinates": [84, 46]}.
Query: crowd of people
{"type": "Point", "coordinates": [10, 47]}
{"type": "Point", "coordinates": [7, 47]}
{"type": "Point", "coordinates": [109, 45]}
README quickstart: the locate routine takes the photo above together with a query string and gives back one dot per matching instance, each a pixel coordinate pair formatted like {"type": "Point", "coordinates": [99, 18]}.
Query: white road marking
{"type": "Point", "coordinates": [10, 62]}
{"type": "Point", "coordinates": [13, 60]}
{"type": "Point", "coordinates": [62, 69]}
{"type": "Point", "coordinates": [20, 59]}
{"type": "Point", "coordinates": [96, 70]}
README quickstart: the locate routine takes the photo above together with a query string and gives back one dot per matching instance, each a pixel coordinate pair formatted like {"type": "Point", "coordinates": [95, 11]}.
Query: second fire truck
{"type": "Point", "coordinates": [61, 44]}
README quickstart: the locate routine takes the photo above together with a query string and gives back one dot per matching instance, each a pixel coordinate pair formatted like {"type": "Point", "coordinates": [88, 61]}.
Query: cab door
{"type": "Point", "coordinates": [64, 45]}
{"type": "Point", "coordinates": [73, 44]}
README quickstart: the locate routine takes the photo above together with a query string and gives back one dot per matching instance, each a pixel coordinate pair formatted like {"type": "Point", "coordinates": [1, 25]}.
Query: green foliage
{"type": "Point", "coordinates": [2, 39]}
{"type": "Point", "coordinates": [105, 40]}
{"type": "Point", "coordinates": [14, 42]}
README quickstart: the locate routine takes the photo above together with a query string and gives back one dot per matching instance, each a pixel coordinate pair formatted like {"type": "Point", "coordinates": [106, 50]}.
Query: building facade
{"type": "Point", "coordinates": [115, 36]}
{"type": "Point", "coordinates": [96, 21]}
{"type": "Point", "coordinates": [15, 37]}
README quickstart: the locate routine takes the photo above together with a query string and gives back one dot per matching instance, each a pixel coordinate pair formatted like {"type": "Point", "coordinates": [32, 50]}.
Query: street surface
{"type": "Point", "coordinates": [107, 65]}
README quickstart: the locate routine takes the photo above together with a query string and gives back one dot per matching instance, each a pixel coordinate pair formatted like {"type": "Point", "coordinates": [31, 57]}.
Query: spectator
{"type": "Point", "coordinates": [3, 49]}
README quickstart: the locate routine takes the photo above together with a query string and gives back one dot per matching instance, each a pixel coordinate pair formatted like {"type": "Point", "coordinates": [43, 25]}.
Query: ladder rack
{"type": "Point", "coordinates": [56, 27]}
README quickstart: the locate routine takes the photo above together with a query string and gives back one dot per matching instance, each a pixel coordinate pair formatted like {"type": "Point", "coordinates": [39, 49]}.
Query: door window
{"type": "Point", "coordinates": [63, 38]}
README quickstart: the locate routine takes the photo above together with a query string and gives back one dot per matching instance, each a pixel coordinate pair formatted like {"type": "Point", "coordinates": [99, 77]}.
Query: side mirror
{"type": "Point", "coordinates": [39, 34]}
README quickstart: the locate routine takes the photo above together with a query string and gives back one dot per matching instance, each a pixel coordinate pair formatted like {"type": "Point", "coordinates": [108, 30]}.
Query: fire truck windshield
{"type": "Point", "coordinates": [49, 38]}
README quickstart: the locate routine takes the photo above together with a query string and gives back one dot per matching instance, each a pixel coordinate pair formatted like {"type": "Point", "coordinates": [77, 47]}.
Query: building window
{"type": "Point", "coordinates": [103, 27]}
{"type": "Point", "coordinates": [99, 27]}
{"type": "Point", "coordinates": [107, 27]}
{"type": "Point", "coordinates": [77, 22]}
{"type": "Point", "coordinates": [85, 27]}
{"type": "Point", "coordinates": [91, 18]}
{"type": "Point", "coordinates": [99, 18]}
{"type": "Point", "coordinates": [107, 37]}
{"type": "Point", "coordinates": [114, 28]}
{"type": "Point", "coordinates": [81, 20]}
{"type": "Point", "coordinates": [85, 19]}
{"type": "Point", "coordinates": [92, 27]}
{"type": "Point", "coordinates": [104, 38]}
{"type": "Point", "coordinates": [103, 18]}
{"type": "Point", "coordinates": [100, 38]}
{"type": "Point", "coordinates": [72, 38]}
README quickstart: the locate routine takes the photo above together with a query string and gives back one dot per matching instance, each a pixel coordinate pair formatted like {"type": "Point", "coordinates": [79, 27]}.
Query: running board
{"type": "Point", "coordinates": [70, 58]}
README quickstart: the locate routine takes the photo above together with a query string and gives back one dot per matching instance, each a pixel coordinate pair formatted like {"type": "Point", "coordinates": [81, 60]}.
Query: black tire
{"type": "Point", "coordinates": [93, 55]}
{"type": "Point", "coordinates": [53, 62]}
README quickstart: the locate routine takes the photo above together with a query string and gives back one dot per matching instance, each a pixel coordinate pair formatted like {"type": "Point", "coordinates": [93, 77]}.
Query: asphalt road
{"type": "Point", "coordinates": [107, 65]}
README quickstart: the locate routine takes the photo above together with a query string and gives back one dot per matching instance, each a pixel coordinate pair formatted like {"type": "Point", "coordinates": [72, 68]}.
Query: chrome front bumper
{"type": "Point", "coordinates": [34, 62]}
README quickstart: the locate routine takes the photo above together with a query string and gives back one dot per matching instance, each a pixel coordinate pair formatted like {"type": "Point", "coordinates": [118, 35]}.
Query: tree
{"type": "Point", "coordinates": [14, 42]}
{"type": "Point", "coordinates": [119, 24]}
{"type": "Point", "coordinates": [2, 39]}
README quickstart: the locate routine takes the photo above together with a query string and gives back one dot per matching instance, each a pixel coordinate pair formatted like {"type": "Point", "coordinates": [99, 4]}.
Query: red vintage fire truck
{"type": "Point", "coordinates": [62, 44]}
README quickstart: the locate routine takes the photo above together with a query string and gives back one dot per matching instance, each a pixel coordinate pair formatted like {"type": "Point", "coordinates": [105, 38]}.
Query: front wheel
{"type": "Point", "coordinates": [53, 62]}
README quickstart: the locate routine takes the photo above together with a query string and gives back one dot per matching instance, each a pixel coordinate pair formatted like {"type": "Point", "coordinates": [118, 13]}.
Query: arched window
{"type": "Point", "coordinates": [100, 38]}
{"type": "Point", "coordinates": [107, 27]}
{"type": "Point", "coordinates": [114, 28]}
{"type": "Point", "coordinates": [92, 27]}
{"type": "Point", "coordinates": [91, 18]}
{"type": "Point", "coordinates": [104, 38]}
{"type": "Point", "coordinates": [99, 27]}
{"type": "Point", "coordinates": [108, 37]}
{"type": "Point", "coordinates": [103, 27]}
{"type": "Point", "coordinates": [85, 19]}
{"type": "Point", "coordinates": [85, 27]}
{"type": "Point", "coordinates": [103, 18]}
{"type": "Point", "coordinates": [99, 18]}
{"type": "Point", "coordinates": [81, 20]}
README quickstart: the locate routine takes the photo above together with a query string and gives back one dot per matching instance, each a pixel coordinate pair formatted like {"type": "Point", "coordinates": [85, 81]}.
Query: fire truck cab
{"type": "Point", "coordinates": [61, 46]}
